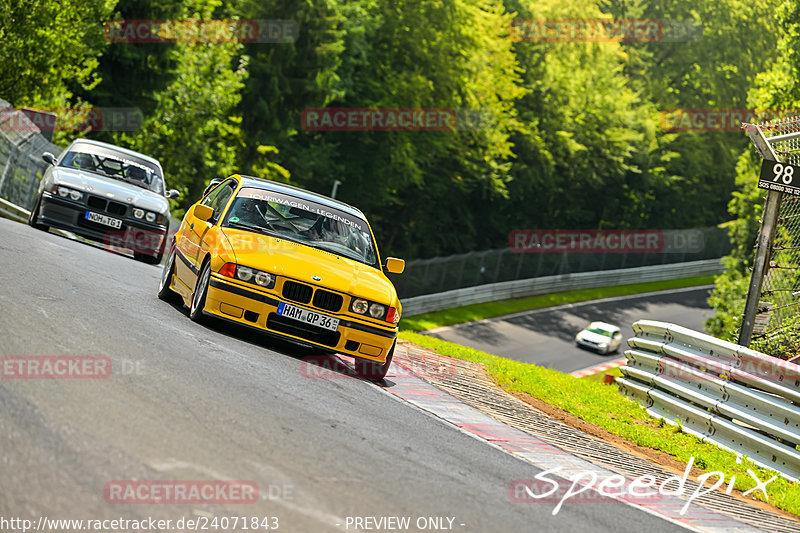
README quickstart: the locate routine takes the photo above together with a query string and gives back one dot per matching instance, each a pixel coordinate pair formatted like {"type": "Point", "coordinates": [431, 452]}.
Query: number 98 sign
{"type": "Point", "coordinates": [777, 176]}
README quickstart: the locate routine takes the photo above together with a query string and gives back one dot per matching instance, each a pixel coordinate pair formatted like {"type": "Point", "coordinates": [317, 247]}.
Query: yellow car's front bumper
{"type": "Point", "coordinates": [250, 306]}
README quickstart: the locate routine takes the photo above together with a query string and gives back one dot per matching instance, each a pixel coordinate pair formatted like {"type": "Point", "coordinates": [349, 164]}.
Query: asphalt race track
{"type": "Point", "coordinates": [546, 337]}
{"type": "Point", "coordinates": [188, 402]}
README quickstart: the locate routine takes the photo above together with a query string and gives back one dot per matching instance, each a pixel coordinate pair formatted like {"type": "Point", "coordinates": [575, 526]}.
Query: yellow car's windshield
{"type": "Point", "coordinates": [302, 221]}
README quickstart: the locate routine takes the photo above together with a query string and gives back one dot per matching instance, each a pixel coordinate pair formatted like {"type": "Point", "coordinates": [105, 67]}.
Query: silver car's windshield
{"type": "Point", "coordinates": [114, 165]}
{"type": "Point", "coordinates": [302, 221]}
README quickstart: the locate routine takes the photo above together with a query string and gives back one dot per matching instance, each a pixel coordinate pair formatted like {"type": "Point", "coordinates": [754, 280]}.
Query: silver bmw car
{"type": "Point", "coordinates": [106, 193]}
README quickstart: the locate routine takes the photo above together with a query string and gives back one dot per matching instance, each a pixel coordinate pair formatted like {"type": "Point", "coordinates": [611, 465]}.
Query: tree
{"type": "Point", "coordinates": [49, 49]}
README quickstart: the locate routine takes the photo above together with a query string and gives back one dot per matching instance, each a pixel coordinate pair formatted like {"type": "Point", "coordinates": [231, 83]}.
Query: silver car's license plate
{"type": "Point", "coordinates": [309, 317]}
{"type": "Point", "coordinates": [103, 219]}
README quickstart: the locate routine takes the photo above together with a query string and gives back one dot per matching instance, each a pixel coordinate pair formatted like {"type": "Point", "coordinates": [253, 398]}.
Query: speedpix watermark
{"type": "Point", "coordinates": [642, 490]}
{"type": "Point", "coordinates": [201, 31]}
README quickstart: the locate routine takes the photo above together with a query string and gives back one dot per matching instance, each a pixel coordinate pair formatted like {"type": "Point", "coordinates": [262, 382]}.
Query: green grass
{"type": "Point", "coordinates": [604, 407]}
{"type": "Point", "coordinates": [458, 315]}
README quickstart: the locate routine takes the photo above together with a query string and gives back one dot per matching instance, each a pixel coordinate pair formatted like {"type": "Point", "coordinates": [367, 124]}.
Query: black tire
{"type": "Point", "coordinates": [34, 216]}
{"type": "Point", "coordinates": [199, 295]}
{"type": "Point", "coordinates": [164, 292]}
{"type": "Point", "coordinates": [373, 370]}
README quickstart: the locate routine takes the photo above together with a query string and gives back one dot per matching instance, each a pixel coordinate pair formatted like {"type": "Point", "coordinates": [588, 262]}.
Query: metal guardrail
{"type": "Point", "coordinates": [726, 394]}
{"type": "Point", "coordinates": [547, 284]}
{"type": "Point", "coordinates": [473, 269]}
{"type": "Point", "coordinates": [21, 149]}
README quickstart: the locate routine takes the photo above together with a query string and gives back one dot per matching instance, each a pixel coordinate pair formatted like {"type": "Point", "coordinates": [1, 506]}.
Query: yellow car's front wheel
{"type": "Point", "coordinates": [165, 293]}
{"type": "Point", "coordinates": [199, 295]}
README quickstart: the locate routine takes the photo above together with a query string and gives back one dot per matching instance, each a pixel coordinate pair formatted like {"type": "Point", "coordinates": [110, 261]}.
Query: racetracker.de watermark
{"type": "Point", "coordinates": [395, 119]}
{"type": "Point", "coordinates": [71, 119]}
{"type": "Point", "coordinates": [719, 120]}
{"type": "Point", "coordinates": [330, 367]}
{"type": "Point", "coordinates": [749, 371]}
{"type": "Point", "coordinates": [55, 367]}
{"type": "Point", "coordinates": [201, 31]}
{"type": "Point", "coordinates": [604, 30]}
{"type": "Point", "coordinates": [590, 241]}
{"type": "Point", "coordinates": [180, 492]}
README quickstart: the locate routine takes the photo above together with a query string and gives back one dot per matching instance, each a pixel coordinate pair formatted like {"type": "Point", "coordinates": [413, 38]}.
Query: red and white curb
{"type": "Point", "coordinates": [599, 368]}
{"type": "Point", "coordinates": [403, 384]}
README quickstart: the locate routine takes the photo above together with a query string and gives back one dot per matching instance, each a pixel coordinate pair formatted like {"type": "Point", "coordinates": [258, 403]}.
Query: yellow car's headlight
{"type": "Point", "coordinates": [248, 275]}
{"type": "Point", "coordinates": [359, 306]}
{"type": "Point", "coordinates": [375, 310]}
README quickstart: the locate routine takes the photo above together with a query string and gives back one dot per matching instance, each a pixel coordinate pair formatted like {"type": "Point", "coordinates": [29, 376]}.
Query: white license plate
{"type": "Point", "coordinates": [103, 219]}
{"type": "Point", "coordinates": [309, 317]}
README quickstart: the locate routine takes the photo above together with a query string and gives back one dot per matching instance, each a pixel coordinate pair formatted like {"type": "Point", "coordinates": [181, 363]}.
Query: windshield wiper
{"type": "Point", "coordinates": [252, 227]}
{"type": "Point", "coordinates": [350, 254]}
{"type": "Point", "coordinates": [117, 177]}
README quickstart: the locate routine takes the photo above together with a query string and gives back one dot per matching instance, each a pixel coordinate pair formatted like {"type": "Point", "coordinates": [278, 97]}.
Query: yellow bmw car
{"type": "Point", "coordinates": [288, 262]}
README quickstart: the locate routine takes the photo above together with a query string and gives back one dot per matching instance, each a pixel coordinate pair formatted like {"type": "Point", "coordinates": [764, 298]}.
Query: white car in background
{"type": "Point", "coordinates": [106, 193]}
{"type": "Point", "coordinates": [601, 337]}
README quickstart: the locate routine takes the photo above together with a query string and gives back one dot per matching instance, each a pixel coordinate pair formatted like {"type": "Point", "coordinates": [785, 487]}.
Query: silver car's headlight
{"type": "Point", "coordinates": [65, 192]}
{"type": "Point", "coordinates": [150, 217]}
{"type": "Point", "coordinates": [138, 213]}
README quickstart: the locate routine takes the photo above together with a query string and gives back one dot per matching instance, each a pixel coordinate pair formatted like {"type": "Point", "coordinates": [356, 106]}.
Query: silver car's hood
{"type": "Point", "coordinates": [111, 189]}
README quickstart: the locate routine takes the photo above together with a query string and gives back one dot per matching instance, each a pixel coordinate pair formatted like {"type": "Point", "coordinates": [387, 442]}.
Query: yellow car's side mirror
{"type": "Point", "coordinates": [395, 265]}
{"type": "Point", "coordinates": [203, 212]}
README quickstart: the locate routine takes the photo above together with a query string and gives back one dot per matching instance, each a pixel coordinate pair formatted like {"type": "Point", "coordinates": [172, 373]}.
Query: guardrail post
{"type": "Point", "coordinates": [766, 236]}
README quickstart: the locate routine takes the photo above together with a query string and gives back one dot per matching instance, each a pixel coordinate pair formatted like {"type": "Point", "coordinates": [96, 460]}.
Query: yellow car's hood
{"type": "Point", "coordinates": [297, 261]}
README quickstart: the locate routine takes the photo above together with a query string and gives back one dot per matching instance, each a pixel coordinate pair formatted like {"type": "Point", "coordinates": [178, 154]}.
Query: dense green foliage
{"type": "Point", "coordinates": [569, 134]}
{"type": "Point", "coordinates": [776, 88]}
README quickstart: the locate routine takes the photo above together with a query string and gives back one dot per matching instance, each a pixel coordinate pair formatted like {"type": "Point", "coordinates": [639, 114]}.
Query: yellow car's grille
{"type": "Point", "coordinates": [297, 292]}
{"type": "Point", "coordinates": [301, 293]}
{"type": "Point", "coordinates": [330, 301]}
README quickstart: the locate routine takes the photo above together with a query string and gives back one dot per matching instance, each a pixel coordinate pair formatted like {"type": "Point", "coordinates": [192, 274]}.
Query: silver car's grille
{"type": "Point", "coordinates": [101, 204]}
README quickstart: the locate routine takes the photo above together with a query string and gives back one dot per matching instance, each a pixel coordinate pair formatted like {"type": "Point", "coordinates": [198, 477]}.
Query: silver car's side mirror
{"type": "Point", "coordinates": [49, 158]}
{"type": "Point", "coordinates": [173, 193]}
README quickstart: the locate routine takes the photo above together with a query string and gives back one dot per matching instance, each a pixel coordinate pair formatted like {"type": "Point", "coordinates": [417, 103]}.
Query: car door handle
{"type": "Point", "coordinates": [191, 226]}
